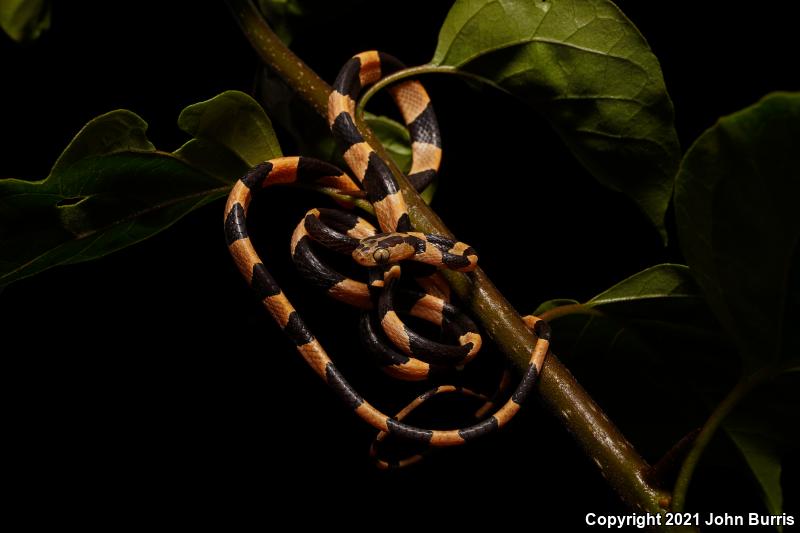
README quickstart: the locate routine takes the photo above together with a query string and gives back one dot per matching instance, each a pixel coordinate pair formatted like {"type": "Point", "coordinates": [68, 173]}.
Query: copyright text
{"type": "Point", "coordinates": [643, 520]}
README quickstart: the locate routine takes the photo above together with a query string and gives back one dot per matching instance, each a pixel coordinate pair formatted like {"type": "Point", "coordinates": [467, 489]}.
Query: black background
{"type": "Point", "coordinates": [150, 387]}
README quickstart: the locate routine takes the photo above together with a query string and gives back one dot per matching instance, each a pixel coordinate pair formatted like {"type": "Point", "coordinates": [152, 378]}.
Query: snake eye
{"type": "Point", "coordinates": [381, 255]}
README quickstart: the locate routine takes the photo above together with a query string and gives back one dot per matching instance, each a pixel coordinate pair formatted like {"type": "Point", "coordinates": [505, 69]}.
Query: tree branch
{"type": "Point", "coordinates": [624, 469]}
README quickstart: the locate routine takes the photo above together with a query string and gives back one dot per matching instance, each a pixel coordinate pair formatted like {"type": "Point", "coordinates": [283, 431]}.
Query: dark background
{"type": "Point", "coordinates": [151, 384]}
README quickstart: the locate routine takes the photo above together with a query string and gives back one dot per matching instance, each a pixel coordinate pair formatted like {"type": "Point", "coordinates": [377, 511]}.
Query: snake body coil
{"type": "Point", "coordinates": [412, 356]}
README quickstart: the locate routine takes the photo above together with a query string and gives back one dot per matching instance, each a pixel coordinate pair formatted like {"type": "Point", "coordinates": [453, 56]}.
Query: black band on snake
{"type": "Point", "coordinates": [412, 356]}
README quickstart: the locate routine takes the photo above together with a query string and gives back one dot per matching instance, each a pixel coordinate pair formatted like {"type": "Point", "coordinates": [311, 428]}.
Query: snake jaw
{"type": "Point", "coordinates": [371, 255]}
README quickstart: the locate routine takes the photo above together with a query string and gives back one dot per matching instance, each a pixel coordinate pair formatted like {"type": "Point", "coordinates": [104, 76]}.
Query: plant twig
{"type": "Point", "coordinates": [710, 427]}
{"type": "Point", "coordinates": [569, 309]}
{"type": "Point", "coordinates": [624, 469]}
{"type": "Point", "coordinates": [667, 467]}
{"type": "Point", "coordinates": [414, 72]}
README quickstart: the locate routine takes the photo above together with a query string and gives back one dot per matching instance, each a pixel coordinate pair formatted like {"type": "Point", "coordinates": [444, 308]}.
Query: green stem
{"type": "Point", "coordinates": [345, 198]}
{"type": "Point", "coordinates": [414, 72]}
{"type": "Point", "coordinates": [571, 309]}
{"type": "Point", "coordinates": [719, 414]}
{"type": "Point", "coordinates": [624, 469]}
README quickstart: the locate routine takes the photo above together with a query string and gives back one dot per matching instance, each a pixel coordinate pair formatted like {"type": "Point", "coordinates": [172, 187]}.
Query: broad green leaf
{"type": "Point", "coordinates": [24, 20]}
{"type": "Point", "coordinates": [662, 300]}
{"type": "Point", "coordinates": [764, 428]}
{"type": "Point", "coordinates": [657, 289]}
{"type": "Point", "coordinates": [585, 67]}
{"type": "Point", "coordinates": [111, 188]}
{"type": "Point", "coordinates": [739, 229]}
{"type": "Point", "coordinates": [739, 226]}
{"type": "Point", "coordinates": [645, 336]}
{"type": "Point", "coordinates": [764, 462]}
{"type": "Point", "coordinates": [114, 132]}
{"type": "Point", "coordinates": [229, 128]}
{"type": "Point", "coordinates": [653, 289]}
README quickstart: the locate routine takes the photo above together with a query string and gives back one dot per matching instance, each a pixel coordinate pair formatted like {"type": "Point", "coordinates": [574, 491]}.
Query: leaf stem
{"type": "Point", "coordinates": [350, 200]}
{"type": "Point", "coordinates": [570, 309]}
{"type": "Point", "coordinates": [624, 469]}
{"type": "Point", "coordinates": [718, 415]}
{"type": "Point", "coordinates": [414, 72]}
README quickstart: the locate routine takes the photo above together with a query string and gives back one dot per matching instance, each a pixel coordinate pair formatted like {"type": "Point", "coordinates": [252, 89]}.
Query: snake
{"type": "Point", "coordinates": [380, 250]}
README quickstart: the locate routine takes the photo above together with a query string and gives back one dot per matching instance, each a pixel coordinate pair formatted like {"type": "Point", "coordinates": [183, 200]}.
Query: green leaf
{"type": "Point", "coordinates": [739, 229]}
{"type": "Point", "coordinates": [585, 67]}
{"type": "Point", "coordinates": [660, 301]}
{"type": "Point", "coordinates": [655, 288]}
{"type": "Point", "coordinates": [313, 137]}
{"type": "Point", "coordinates": [396, 140]}
{"type": "Point", "coordinates": [653, 291]}
{"type": "Point", "coordinates": [394, 137]}
{"type": "Point", "coordinates": [643, 336]}
{"type": "Point", "coordinates": [764, 429]}
{"type": "Point", "coordinates": [24, 20]}
{"type": "Point", "coordinates": [739, 226]}
{"type": "Point", "coordinates": [111, 188]}
{"type": "Point", "coordinates": [764, 463]}
{"type": "Point", "coordinates": [226, 130]}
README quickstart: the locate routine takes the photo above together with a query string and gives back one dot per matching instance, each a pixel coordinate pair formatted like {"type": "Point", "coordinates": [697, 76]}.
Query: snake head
{"type": "Point", "coordinates": [384, 249]}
